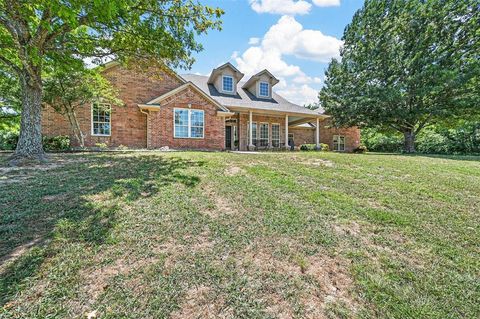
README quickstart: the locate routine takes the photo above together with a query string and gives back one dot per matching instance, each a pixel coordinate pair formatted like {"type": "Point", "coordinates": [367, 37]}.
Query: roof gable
{"type": "Point", "coordinates": [158, 100]}
{"type": "Point", "coordinates": [247, 101]}
{"type": "Point", "coordinates": [257, 76]}
{"type": "Point", "coordinates": [218, 71]}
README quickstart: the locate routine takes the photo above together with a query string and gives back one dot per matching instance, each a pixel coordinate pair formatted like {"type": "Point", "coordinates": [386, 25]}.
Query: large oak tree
{"type": "Point", "coordinates": [36, 33]}
{"type": "Point", "coordinates": [406, 64]}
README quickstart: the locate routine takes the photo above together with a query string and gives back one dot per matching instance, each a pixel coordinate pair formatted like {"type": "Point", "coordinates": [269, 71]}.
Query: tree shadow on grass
{"type": "Point", "coordinates": [69, 201]}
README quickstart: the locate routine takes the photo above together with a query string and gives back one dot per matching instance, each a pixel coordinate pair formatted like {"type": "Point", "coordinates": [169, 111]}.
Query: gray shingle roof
{"type": "Point", "coordinates": [244, 99]}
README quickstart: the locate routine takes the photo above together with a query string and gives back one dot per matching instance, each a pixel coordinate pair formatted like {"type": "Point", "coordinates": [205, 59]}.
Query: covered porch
{"type": "Point", "coordinates": [253, 129]}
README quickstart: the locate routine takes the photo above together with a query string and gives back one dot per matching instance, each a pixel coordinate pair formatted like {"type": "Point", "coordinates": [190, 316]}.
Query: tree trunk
{"type": "Point", "coordinates": [29, 145]}
{"type": "Point", "coordinates": [409, 142]}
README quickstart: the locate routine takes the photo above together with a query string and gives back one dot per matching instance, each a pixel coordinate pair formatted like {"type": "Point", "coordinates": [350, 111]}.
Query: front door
{"type": "Point", "coordinates": [228, 137]}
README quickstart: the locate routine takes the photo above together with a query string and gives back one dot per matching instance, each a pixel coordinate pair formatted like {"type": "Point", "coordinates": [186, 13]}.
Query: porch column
{"type": "Point", "coordinates": [250, 133]}
{"type": "Point", "coordinates": [286, 132]}
{"type": "Point", "coordinates": [232, 137]}
{"type": "Point", "coordinates": [317, 135]}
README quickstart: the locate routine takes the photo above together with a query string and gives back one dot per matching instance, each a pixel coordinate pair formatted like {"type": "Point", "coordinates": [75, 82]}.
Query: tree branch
{"type": "Point", "coordinates": [10, 64]}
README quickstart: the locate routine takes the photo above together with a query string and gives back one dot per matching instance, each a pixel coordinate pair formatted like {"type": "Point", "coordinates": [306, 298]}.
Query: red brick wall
{"type": "Point", "coordinates": [128, 123]}
{"type": "Point", "coordinates": [160, 124]}
{"type": "Point", "coordinates": [352, 135]}
{"type": "Point", "coordinates": [302, 135]}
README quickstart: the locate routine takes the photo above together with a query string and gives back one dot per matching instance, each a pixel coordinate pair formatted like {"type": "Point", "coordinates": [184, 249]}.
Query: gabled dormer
{"type": "Point", "coordinates": [261, 84]}
{"type": "Point", "coordinates": [225, 78]}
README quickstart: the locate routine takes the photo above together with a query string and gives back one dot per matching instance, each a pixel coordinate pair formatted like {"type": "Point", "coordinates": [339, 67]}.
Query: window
{"type": "Point", "coordinates": [263, 134]}
{"type": "Point", "coordinates": [276, 135]}
{"type": "Point", "coordinates": [101, 121]}
{"type": "Point", "coordinates": [338, 143]}
{"type": "Point", "coordinates": [254, 133]}
{"type": "Point", "coordinates": [264, 89]}
{"type": "Point", "coordinates": [188, 123]}
{"type": "Point", "coordinates": [227, 84]}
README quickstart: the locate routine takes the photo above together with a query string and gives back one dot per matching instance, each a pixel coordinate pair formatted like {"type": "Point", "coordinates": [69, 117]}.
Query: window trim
{"type": "Point", "coordinates": [233, 84]}
{"type": "Point", "coordinates": [189, 125]}
{"type": "Point", "coordinates": [338, 143]}
{"type": "Point", "coordinates": [279, 135]}
{"type": "Point", "coordinates": [92, 131]}
{"type": "Point", "coordinates": [260, 91]}
{"type": "Point", "coordinates": [260, 139]}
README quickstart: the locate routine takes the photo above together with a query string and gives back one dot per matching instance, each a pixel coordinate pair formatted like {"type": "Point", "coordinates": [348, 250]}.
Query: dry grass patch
{"type": "Point", "coordinates": [325, 279]}
{"type": "Point", "coordinates": [234, 170]}
{"type": "Point", "coordinates": [222, 205]}
{"type": "Point", "coordinates": [201, 302]}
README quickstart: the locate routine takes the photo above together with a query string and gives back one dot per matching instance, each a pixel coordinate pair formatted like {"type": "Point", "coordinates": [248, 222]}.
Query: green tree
{"type": "Point", "coordinates": [67, 90]}
{"type": "Point", "coordinates": [406, 64]}
{"type": "Point", "coordinates": [36, 33]}
{"type": "Point", "coordinates": [9, 103]}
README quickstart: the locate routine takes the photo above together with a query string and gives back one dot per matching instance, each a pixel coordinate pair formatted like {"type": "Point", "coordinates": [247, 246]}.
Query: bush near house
{"type": "Point", "coordinates": [8, 142]}
{"type": "Point", "coordinates": [313, 147]}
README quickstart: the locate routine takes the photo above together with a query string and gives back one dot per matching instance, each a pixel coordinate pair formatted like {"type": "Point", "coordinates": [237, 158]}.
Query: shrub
{"type": "Point", "coordinates": [8, 140]}
{"type": "Point", "coordinates": [360, 149]}
{"type": "Point", "coordinates": [101, 146]}
{"type": "Point", "coordinates": [430, 141]}
{"type": "Point", "coordinates": [56, 143]}
{"type": "Point", "coordinates": [313, 147]}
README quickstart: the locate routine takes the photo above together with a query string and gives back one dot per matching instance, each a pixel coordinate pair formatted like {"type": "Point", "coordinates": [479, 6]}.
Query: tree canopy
{"type": "Point", "coordinates": [406, 64]}
{"type": "Point", "coordinates": [38, 33]}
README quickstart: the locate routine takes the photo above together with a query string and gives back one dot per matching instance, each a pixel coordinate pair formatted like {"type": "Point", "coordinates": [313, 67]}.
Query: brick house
{"type": "Point", "coordinates": [219, 112]}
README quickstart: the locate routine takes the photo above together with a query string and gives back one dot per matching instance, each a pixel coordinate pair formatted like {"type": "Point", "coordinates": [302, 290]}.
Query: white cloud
{"type": "Point", "coordinates": [326, 3]}
{"type": "Point", "coordinates": [305, 79]}
{"type": "Point", "coordinates": [301, 95]}
{"type": "Point", "coordinates": [254, 41]}
{"type": "Point", "coordinates": [287, 37]}
{"type": "Point", "coordinates": [255, 59]}
{"type": "Point", "coordinates": [290, 7]}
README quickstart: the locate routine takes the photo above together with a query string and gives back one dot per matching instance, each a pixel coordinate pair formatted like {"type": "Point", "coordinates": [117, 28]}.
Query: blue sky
{"type": "Point", "coordinates": [294, 39]}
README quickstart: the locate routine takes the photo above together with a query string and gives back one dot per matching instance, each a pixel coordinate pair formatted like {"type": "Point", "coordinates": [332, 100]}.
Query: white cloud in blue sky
{"type": "Point", "coordinates": [281, 6]}
{"type": "Point", "coordinates": [293, 39]}
{"type": "Point", "coordinates": [290, 7]}
{"type": "Point", "coordinates": [326, 3]}
{"type": "Point", "coordinates": [288, 38]}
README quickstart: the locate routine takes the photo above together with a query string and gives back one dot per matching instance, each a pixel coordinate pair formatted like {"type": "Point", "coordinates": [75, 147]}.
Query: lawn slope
{"type": "Point", "coordinates": [223, 235]}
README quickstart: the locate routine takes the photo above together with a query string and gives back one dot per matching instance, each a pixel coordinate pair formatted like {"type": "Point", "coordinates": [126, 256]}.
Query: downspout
{"type": "Point", "coordinates": [148, 136]}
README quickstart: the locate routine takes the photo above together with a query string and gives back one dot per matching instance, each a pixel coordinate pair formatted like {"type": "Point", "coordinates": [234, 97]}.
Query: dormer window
{"type": "Point", "coordinates": [227, 83]}
{"type": "Point", "coordinates": [264, 89]}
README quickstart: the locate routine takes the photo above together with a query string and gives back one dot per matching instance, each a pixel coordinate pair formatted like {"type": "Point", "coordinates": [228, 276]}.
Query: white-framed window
{"type": "Point", "coordinates": [263, 134]}
{"type": "Point", "coordinates": [339, 143]}
{"type": "Point", "coordinates": [101, 119]}
{"type": "Point", "coordinates": [254, 133]}
{"type": "Point", "coordinates": [227, 83]}
{"type": "Point", "coordinates": [188, 123]}
{"type": "Point", "coordinates": [276, 135]}
{"type": "Point", "coordinates": [264, 89]}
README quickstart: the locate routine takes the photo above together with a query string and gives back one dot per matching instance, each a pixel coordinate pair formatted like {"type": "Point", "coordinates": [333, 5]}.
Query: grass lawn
{"type": "Point", "coordinates": [222, 235]}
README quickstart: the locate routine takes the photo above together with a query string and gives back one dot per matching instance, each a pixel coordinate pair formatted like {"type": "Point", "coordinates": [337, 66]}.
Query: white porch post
{"type": "Point", "coordinates": [286, 132]}
{"type": "Point", "coordinates": [317, 135]}
{"type": "Point", "coordinates": [250, 133]}
{"type": "Point", "coordinates": [232, 137]}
